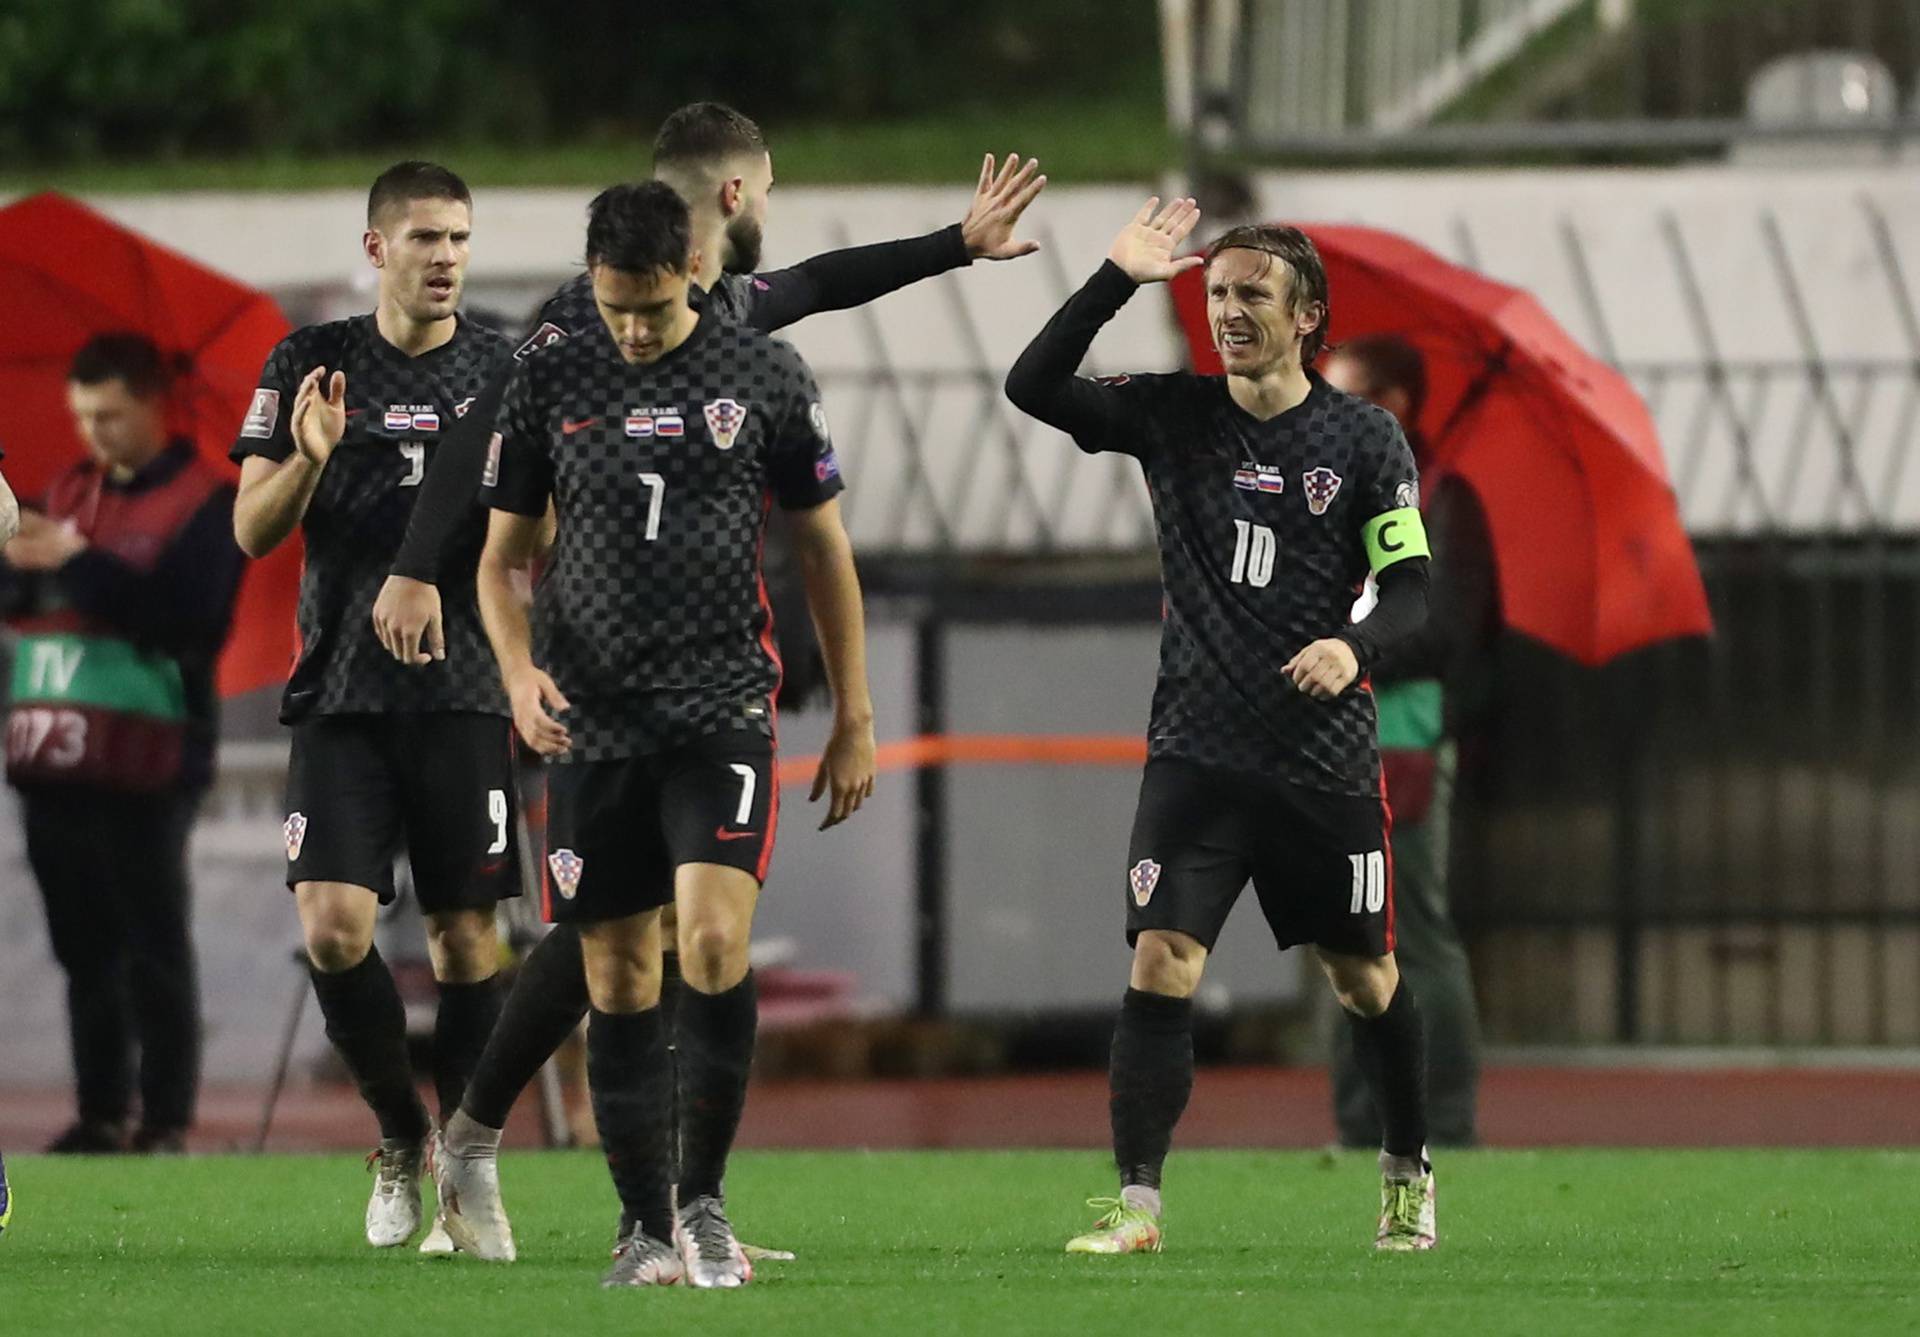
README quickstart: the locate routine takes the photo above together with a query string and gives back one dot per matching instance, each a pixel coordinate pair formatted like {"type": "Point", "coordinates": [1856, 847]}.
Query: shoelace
{"type": "Point", "coordinates": [388, 1166]}
{"type": "Point", "coordinates": [1403, 1205]}
{"type": "Point", "coordinates": [712, 1235]}
{"type": "Point", "coordinates": [1116, 1212]}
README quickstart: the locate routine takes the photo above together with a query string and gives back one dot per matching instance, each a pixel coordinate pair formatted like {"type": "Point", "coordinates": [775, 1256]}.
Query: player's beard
{"type": "Point", "coordinates": [744, 236]}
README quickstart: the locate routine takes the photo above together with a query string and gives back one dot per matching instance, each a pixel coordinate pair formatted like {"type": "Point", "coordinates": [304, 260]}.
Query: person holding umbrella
{"type": "Point", "coordinates": [121, 584]}
{"type": "Point", "coordinates": [1420, 697]}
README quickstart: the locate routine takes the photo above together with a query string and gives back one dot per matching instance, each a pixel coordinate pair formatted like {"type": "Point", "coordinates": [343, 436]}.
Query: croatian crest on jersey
{"type": "Point", "coordinates": [1322, 486]}
{"type": "Point", "coordinates": [566, 867]}
{"type": "Point", "coordinates": [295, 830]}
{"type": "Point", "coordinates": [1143, 877]}
{"type": "Point", "coordinates": [725, 417]}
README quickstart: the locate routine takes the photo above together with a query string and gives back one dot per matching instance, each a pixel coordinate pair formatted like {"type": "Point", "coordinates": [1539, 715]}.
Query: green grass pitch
{"type": "Point", "coordinates": [1555, 1243]}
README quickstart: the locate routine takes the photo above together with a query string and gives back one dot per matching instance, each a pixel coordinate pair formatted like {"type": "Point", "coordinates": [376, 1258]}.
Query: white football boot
{"type": "Point", "coordinates": [469, 1188]}
{"type": "Point", "coordinates": [393, 1212]}
{"type": "Point", "coordinates": [714, 1258]}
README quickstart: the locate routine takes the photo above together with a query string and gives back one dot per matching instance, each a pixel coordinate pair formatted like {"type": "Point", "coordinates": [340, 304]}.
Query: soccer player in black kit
{"type": "Point", "coordinates": [649, 689]}
{"type": "Point", "coordinates": [718, 161]}
{"type": "Point", "coordinates": [384, 757]}
{"type": "Point", "coordinates": [1275, 497]}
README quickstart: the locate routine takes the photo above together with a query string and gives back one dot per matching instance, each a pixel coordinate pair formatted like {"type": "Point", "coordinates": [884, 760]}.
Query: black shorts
{"type": "Point", "coordinates": [360, 788]}
{"type": "Point", "coordinates": [617, 830]}
{"type": "Point", "coordinates": [1320, 863]}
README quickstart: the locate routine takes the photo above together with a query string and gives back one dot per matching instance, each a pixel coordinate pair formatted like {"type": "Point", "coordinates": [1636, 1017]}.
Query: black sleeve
{"type": "Point", "coordinates": [1463, 598]}
{"type": "Point", "coordinates": [836, 280]}
{"type": "Point", "coordinates": [802, 470]}
{"type": "Point", "coordinates": [266, 431]}
{"type": "Point", "coordinates": [517, 473]}
{"type": "Point", "coordinates": [184, 603]}
{"type": "Point", "coordinates": [1397, 616]}
{"type": "Point", "coordinates": [1100, 414]}
{"type": "Point", "coordinates": [451, 488]}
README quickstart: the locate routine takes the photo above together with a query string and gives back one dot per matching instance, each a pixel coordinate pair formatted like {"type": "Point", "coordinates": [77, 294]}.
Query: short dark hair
{"type": "Point", "coordinates": [701, 133]}
{"type": "Point", "coordinates": [1392, 363]}
{"type": "Point", "coordinates": [1308, 275]}
{"type": "Point", "coordinates": [405, 182]}
{"type": "Point", "coordinates": [639, 229]}
{"type": "Point", "coordinates": [122, 356]}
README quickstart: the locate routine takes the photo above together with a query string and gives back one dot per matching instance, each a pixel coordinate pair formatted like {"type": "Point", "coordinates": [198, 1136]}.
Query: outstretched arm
{"type": "Point", "coordinates": [836, 280]}
{"type": "Point", "coordinates": [406, 615]}
{"type": "Point", "coordinates": [1042, 381]}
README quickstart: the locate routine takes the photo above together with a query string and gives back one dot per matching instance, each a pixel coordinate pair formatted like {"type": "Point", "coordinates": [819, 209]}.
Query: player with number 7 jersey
{"type": "Point", "coordinates": [646, 677]}
{"type": "Point", "coordinates": [386, 756]}
{"type": "Point", "coordinates": [1276, 498]}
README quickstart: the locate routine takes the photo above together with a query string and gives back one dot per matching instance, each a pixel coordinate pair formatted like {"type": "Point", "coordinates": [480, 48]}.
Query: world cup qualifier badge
{"type": "Point", "coordinates": [1143, 877]}
{"type": "Point", "coordinates": [566, 867]}
{"type": "Point", "coordinates": [725, 417]}
{"type": "Point", "coordinates": [295, 830]}
{"type": "Point", "coordinates": [1322, 486]}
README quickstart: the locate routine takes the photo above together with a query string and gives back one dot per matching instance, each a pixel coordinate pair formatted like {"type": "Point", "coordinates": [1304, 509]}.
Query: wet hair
{"type": "Point", "coordinates": [405, 182]}
{"type": "Point", "coordinates": [639, 229]}
{"type": "Point", "coordinates": [1307, 275]}
{"type": "Point", "coordinates": [123, 356]}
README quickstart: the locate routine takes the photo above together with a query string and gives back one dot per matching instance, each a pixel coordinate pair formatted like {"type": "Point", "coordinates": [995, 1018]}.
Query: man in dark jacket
{"type": "Point", "coordinates": [121, 582]}
{"type": "Point", "coordinates": [1422, 695]}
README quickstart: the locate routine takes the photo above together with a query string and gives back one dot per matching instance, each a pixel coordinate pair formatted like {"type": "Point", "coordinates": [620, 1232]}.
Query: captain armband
{"type": "Point", "coordinates": [1394, 536]}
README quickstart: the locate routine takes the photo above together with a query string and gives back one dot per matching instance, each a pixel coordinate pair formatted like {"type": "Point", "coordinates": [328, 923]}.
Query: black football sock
{"type": "Point", "coordinates": [1148, 1082]}
{"type": "Point", "coordinates": [548, 999]}
{"type": "Point", "coordinates": [1391, 1052]}
{"type": "Point", "coordinates": [461, 1025]}
{"type": "Point", "coordinates": [367, 1023]}
{"type": "Point", "coordinates": [715, 1033]}
{"type": "Point", "coordinates": [672, 984]}
{"type": "Point", "coordinates": [631, 1084]}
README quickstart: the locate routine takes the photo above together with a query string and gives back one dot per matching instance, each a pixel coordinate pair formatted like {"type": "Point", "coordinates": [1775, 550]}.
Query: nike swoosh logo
{"type": "Point", "coordinates": [572, 425]}
{"type": "Point", "coordinates": [723, 834]}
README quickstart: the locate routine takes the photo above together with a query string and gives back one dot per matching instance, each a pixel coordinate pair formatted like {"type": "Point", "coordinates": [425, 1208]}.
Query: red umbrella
{"type": "Point", "coordinates": [1593, 558]}
{"type": "Point", "coordinates": [68, 274]}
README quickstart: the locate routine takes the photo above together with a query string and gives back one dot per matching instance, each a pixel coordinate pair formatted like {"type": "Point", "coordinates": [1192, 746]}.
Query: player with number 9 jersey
{"type": "Point", "coordinates": [387, 757]}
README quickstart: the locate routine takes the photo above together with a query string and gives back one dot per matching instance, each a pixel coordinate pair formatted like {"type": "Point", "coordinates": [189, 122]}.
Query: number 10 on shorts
{"type": "Point", "coordinates": [1369, 882]}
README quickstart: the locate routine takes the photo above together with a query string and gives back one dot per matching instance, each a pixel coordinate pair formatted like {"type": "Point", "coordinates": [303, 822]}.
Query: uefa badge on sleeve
{"type": "Point", "coordinates": [295, 830]}
{"type": "Point", "coordinates": [1144, 877]}
{"type": "Point", "coordinates": [566, 867]}
{"type": "Point", "coordinates": [725, 417]}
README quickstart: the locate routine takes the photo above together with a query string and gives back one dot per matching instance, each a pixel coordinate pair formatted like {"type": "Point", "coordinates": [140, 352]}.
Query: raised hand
{"type": "Point", "coordinates": [319, 417]}
{"type": "Point", "coordinates": [998, 201]}
{"type": "Point", "coordinates": [1145, 247]}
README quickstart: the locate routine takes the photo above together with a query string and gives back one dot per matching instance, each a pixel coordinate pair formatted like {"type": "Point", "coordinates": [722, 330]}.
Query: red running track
{"type": "Point", "coordinates": [1232, 1107]}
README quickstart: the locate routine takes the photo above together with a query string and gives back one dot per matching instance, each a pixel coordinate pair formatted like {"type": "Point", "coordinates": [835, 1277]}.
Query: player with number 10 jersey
{"type": "Point", "coordinates": [1276, 497]}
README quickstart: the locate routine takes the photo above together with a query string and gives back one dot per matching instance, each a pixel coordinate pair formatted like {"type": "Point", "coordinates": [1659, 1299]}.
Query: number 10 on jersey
{"type": "Point", "coordinates": [1369, 882]}
{"type": "Point", "coordinates": [1254, 547]}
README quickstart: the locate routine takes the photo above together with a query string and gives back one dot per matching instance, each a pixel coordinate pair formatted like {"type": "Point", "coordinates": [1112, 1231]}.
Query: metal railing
{"type": "Point", "coordinates": [1366, 78]}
